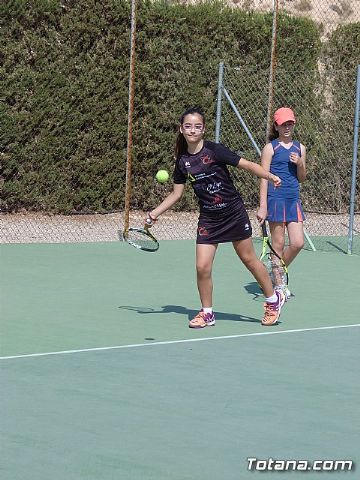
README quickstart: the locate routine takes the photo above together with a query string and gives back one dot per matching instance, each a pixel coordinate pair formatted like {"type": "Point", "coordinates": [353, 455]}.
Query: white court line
{"type": "Point", "coordinates": [171, 342]}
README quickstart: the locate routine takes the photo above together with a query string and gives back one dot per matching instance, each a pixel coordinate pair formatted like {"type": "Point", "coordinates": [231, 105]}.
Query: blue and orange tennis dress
{"type": "Point", "coordinates": [283, 203]}
{"type": "Point", "coordinates": [223, 217]}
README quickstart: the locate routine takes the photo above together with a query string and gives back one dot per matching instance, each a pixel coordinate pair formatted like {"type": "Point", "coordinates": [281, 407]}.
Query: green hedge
{"type": "Point", "coordinates": [342, 56]}
{"type": "Point", "coordinates": [64, 74]}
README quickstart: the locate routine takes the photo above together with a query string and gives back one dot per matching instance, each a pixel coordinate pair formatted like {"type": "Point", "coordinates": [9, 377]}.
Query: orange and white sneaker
{"type": "Point", "coordinates": [273, 310]}
{"type": "Point", "coordinates": [202, 320]}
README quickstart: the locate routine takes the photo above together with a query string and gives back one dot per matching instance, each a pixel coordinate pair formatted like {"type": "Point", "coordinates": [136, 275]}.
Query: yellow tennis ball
{"type": "Point", "coordinates": [162, 176]}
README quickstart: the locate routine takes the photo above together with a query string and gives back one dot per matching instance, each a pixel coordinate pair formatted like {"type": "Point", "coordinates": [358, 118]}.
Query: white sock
{"type": "Point", "coordinates": [207, 309]}
{"type": "Point", "coordinates": [272, 299]}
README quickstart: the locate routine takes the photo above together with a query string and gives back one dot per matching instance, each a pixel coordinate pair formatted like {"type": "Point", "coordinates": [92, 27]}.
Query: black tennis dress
{"type": "Point", "coordinates": [223, 217]}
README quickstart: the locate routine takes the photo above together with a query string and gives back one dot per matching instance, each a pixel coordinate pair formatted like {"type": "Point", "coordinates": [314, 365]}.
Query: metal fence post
{"type": "Point", "coordinates": [272, 69]}
{"type": "Point", "coordinates": [218, 106]}
{"type": "Point", "coordinates": [130, 117]}
{"type": "Point", "coordinates": [354, 162]}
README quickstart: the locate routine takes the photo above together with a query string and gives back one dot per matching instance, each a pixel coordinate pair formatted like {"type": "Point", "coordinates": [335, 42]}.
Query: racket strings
{"type": "Point", "coordinates": [275, 270]}
{"type": "Point", "coordinates": [140, 239]}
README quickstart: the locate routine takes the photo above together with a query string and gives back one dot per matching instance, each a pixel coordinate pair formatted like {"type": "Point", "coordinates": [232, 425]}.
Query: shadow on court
{"type": "Point", "coordinates": [190, 313]}
{"type": "Point", "coordinates": [125, 390]}
{"type": "Point", "coordinates": [252, 288]}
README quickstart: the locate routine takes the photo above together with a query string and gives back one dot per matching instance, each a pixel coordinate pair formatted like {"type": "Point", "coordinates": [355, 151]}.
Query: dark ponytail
{"type": "Point", "coordinates": [273, 133]}
{"type": "Point", "coordinates": [181, 145]}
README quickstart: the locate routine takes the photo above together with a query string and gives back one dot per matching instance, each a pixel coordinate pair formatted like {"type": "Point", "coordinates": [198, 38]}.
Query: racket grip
{"type": "Point", "coordinates": [264, 229]}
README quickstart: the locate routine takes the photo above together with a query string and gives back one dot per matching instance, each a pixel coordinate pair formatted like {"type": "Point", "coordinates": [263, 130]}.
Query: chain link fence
{"type": "Point", "coordinates": [325, 193]}
{"type": "Point", "coordinates": [325, 124]}
{"type": "Point", "coordinates": [320, 127]}
{"type": "Point", "coordinates": [328, 14]}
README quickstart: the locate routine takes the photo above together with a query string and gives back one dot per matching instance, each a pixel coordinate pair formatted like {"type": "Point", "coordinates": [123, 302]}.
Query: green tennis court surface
{"type": "Point", "coordinates": [102, 379]}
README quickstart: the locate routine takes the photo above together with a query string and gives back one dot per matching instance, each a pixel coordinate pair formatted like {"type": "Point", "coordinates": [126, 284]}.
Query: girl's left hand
{"type": "Point", "coordinates": [294, 158]}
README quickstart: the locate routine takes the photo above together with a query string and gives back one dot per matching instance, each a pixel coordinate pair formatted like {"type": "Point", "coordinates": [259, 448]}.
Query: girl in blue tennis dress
{"type": "Point", "coordinates": [223, 217]}
{"type": "Point", "coordinates": [285, 157]}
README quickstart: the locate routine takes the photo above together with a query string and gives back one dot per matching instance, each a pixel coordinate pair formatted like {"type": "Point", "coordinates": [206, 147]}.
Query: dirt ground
{"type": "Point", "coordinates": [329, 13]}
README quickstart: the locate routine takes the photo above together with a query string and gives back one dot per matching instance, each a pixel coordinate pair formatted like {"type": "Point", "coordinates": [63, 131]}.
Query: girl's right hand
{"type": "Point", "coordinates": [275, 180]}
{"type": "Point", "coordinates": [150, 220]}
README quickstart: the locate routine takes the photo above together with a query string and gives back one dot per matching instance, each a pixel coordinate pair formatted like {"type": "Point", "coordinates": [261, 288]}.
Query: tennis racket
{"type": "Point", "coordinates": [141, 238]}
{"type": "Point", "coordinates": [274, 264]}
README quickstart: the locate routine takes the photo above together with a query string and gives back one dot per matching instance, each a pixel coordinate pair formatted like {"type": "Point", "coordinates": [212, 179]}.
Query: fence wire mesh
{"type": "Point", "coordinates": [327, 105]}
{"type": "Point", "coordinates": [325, 193]}
{"type": "Point", "coordinates": [320, 117]}
{"type": "Point", "coordinates": [329, 14]}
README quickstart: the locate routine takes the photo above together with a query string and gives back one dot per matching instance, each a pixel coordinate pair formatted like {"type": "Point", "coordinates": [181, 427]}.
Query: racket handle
{"type": "Point", "coordinates": [264, 229]}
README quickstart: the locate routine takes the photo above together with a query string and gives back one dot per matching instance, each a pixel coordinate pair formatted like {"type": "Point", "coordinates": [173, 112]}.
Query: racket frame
{"type": "Point", "coordinates": [267, 243]}
{"type": "Point", "coordinates": [144, 231]}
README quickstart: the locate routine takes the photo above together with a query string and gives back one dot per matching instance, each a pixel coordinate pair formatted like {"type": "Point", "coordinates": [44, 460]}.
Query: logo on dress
{"type": "Point", "coordinates": [217, 199]}
{"type": "Point", "coordinates": [213, 187]}
{"type": "Point", "coordinates": [206, 160]}
{"type": "Point", "coordinates": [203, 232]}
{"type": "Point", "coordinates": [187, 164]}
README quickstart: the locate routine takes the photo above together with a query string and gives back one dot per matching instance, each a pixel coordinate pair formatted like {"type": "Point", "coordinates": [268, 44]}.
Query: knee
{"type": "Point", "coordinates": [279, 247]}
{"type": "Point", "coordinates": [203, 269]}
{"type": "Point", "coordinates": [297, 245]}
{"type": "Point", "coordinates": [250, 261]}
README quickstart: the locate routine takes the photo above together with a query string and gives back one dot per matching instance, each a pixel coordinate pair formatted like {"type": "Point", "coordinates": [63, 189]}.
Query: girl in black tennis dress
{"type": "Point", "coordinates": [223, 217]}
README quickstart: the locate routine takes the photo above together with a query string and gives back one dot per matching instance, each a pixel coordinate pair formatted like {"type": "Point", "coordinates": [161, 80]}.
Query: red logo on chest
{"type": "Point", "coordinates": [206, 160]}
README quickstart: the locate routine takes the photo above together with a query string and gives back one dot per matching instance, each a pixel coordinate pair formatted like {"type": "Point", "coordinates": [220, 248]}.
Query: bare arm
{"type": "Point", "coordinates": [259, 171]}
{"type": "Point", "coordinates": [169, 201]}
{"type": "Point", "coordinates": [266, 158]}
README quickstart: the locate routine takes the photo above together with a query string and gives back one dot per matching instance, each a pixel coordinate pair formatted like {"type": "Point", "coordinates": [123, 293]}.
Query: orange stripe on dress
{"type": "Point", "coordinates": [300, 217]}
